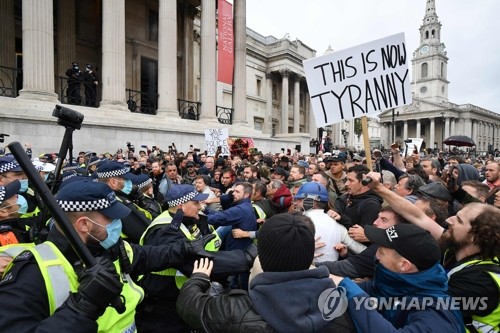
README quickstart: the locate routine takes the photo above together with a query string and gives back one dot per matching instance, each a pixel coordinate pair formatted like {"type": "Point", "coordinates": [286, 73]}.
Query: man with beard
{"type": "Point", "coordinates": [472, 248]}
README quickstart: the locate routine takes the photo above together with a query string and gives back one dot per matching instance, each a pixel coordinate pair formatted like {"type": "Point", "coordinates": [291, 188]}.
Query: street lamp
{"type": "Point", "coordinates": [394, 115]}
{"type": "Point", "coordinates": [345, 134]}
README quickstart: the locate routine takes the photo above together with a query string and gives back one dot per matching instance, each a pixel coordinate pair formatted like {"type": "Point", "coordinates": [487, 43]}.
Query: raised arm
{"type": "Point", "coordinates": [404, 207]}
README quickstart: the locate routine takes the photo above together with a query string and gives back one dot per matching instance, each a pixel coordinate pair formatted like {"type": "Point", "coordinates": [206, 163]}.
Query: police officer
{"type": "Point", "coordinates": [180, 223]}
{"type": "Point", "coordinates": [30, 213]}
{"type": "Point", "coordinates": [142, 195]}
{"type": "Point", "coordinates": [119, 179]}
{"type": "Point", "coordinates": [46, 287]}
{"type": "Point", "coordinates": [12, 231]}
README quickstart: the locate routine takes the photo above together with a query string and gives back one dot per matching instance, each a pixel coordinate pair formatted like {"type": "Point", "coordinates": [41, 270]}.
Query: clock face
{"type": "Point", "coordinates": [424, 49]}
{"type": "Point", "coordinates": [423, 89]}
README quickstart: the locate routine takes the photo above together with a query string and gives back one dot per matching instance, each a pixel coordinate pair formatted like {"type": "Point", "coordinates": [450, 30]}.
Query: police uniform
{"type": "Point", "coordinates": [143, 200]}
{"type": "Point", "coordinates": [12, 230]}
{"type": "Point", "coordinates": [138, 220]}
{"type": "Point", "coordinates": [158, 313]}
{"type": "Point", "coordinates": [35, 286]}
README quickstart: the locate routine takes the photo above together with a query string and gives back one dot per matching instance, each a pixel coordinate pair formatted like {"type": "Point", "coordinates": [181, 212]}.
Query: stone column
{"type": "Point", "coordinates": [432, 133]}
{"type": "Point", "coordinates": [296, 104]}
{"type": "Point", "coordinates": [468, 127]}
{"type": "Point", "coordinates": [284, 101]}
{"type": "Point", "coordinates": [66, 36]}
{"type": "Point", "coordinates": [167, 58]}
{"type": "Point", "coordinates": [113, 55]}
{"type": "Point", "coordinates": [446, 128]}
{"type": "Point", "coordinates": [313, 130]}
{"type": "Point", "coordinates": [418, 129]}
{"type": "Point", "coordinates": [453, 125]}
{"type": "Point", "coordinates": [240, 65]}
{"type": "Point", "coordinates": [269, 104]}
{"type": "Point", "coordinates": [8, 48]}
{"type": "Point", "coordinates": [38, 50]}
{"type": "Point", "coordinates": [189, 14]}
{"type": "Point", "coordinates": [208, 61]}
{"type": "Point", "coordinates": [405, 129]}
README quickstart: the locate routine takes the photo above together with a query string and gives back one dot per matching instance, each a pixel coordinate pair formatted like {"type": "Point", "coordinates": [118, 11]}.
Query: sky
{"type": "Point", "coordinates": [470, 31]}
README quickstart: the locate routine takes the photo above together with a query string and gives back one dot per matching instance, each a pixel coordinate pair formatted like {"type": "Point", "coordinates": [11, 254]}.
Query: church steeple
{"type": "Point", "coordinates": [429, 79]}
{"type": "Point", "coordinates": [430, 30]}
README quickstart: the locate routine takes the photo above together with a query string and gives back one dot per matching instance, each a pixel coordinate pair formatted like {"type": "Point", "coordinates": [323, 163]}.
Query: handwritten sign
{"type": "Point", "coordinates": [216, 137]}
{"type": "Point", "coordinates": [358, 81]}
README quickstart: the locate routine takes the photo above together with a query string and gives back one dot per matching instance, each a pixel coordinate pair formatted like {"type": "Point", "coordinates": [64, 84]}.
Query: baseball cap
{"type": "Point", "coordinates": [410, 241]}
{"type": "Point", "coordinates": [114, 169]}
{"type": "Point", "coordinates": [357, 158]}
{"type": "Point", "coordinates": [183, 193]}
{"type": "Point", "coordinates": [9, 163]}
{"type": "Point", "coordinates": [87, 196]}
{"type": "Point", "coordinates": [280, 171]}
{"type": "Point", "coordinates": [434, 190]}
{"type": "Point", "coordinates": [44, 167]}
{"type": "Point", "coordinates": [9, 190]}
{"type": "Point", "coordinates": [303, 163]}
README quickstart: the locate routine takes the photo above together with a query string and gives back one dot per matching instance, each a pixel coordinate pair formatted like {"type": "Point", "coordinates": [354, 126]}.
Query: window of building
{"type": "Point", "coordinates": [433, 33]}
{"type": "Point", "coordinates": [275, 92]}
{"type": "Point", "coordinates": [424, 70]}
{"type": "Point", "coordinates": [398, 131]}
{"type": "Point", "coordinates": [259, 86]}
{"type": "Point", "coordinates": [273, 130]}
{"type": "Point", "coordinates": [153, 25]}
{"type": "Point", "coordinates": [422, 130]}
{"type": "Point", "coordinates": [258, 123]}
{"type": "Point", "coordinates": [426, 34]}
{"type": "Point", "coordinates": [442, 69]}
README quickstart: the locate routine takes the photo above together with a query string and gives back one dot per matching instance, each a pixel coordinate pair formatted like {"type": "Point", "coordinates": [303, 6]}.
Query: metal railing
{"type": "Point", "coordinates": [10, 81]}
{"type": "Point", "coordinates": [77, 92]}
{"type": "Point", "coordinates": [142, 102]}
{"type": "Point", "coordinates": [188, 109]}
{"type": "Point", "coordinates": [224, 115]}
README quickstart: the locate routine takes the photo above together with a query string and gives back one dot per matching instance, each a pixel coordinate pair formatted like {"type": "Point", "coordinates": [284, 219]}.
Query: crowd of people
{"type": "Point", "coordinates": [270, 242]}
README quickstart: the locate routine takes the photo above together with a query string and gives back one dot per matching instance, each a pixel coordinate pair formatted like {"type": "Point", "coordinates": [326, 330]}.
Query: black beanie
{"type": "Point", "coordinates": [285, 244]}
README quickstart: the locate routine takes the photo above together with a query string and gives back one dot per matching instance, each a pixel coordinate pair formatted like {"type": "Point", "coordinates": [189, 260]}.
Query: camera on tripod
{"type": "Point", "coordinates": [2, 137]}
{"type": "Point", "coordinates": [67, 117]}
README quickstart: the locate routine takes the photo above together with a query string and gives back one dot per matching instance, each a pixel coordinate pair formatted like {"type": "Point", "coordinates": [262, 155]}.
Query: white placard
{"type": "Point", "coordinates": [217, 137]}
{"type": "Point", "coordinates": [359, 81]}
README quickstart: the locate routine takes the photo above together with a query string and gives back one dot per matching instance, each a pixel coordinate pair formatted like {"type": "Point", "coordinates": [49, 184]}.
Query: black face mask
{"type": "Point", "coordinates": [308, 204]}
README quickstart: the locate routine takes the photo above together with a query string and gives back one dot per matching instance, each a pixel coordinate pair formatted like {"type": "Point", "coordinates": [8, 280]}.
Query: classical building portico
{"type": "Point", "coordinates": [157, 67]}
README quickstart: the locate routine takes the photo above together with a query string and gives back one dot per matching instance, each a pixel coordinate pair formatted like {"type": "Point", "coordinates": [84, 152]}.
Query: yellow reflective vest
{"type": "Point", "coordinates": [165, 218]}
{"type": "Point", "coordinates": [61, 279]}
{"type": "Point", "coordinates": [491, 322]}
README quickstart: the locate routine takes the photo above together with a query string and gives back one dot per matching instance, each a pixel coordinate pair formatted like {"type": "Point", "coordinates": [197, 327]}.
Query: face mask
{"type": "Point", "coordinates": [24, 185]}
{"type": "Point", "coordinates": [22, 203]}
{"type": "Point", "coordinates": [113, 230]}
{"type": "Point", "coordinates": [127, 187]}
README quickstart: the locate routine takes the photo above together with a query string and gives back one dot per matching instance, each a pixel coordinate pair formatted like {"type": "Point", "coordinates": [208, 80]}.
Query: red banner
{"type": "Point", "coordinates": [225, 61]}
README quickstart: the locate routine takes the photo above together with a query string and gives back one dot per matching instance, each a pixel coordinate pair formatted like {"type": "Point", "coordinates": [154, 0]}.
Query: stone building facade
{"type": "Point", "coordinates": [157, 66]}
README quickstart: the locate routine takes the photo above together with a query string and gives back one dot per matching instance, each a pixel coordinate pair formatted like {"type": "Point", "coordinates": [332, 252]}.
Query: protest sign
{"type": "Point", "coordinates": [359, 81]}
{"type": "Point", "coordinates": [215, 138]}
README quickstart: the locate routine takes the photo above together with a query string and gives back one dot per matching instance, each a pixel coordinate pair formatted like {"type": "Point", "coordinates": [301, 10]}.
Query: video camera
{"type": "Point", "coordinates": [67, 117]}
{"type": "Point", "coordinates": [2, 137]}
{"type": "Point", "coordinates": [130, 147]}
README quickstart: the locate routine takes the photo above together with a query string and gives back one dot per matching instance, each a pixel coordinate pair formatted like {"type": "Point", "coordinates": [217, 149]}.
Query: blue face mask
{"type": "Point", "coordinates": [23, 204]}
{"type": "Point", "coordinates": [114, 229]}
{"type": "Point", "coordinates": [24, 186]}
{"type": "Point", "coordinates": [127, 188]}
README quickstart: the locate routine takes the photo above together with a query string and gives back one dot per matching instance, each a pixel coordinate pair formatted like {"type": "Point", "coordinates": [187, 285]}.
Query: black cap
{"type": "Point", "coordinates": [410, 241]}
{"type": "Point", "coordinates": [434, 190]}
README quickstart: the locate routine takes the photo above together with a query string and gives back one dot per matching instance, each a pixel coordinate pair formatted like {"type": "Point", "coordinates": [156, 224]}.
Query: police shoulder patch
{"type": "Point", "coordinates": [17, 264]}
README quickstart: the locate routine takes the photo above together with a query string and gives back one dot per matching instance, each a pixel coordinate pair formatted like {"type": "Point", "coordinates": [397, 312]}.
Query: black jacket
{"type": "Point", "coordinates": [360, 209]}
{"type": "Point", "coordinates": [23, 287]}
{"type": "Point", "coordinates": [237, 312]}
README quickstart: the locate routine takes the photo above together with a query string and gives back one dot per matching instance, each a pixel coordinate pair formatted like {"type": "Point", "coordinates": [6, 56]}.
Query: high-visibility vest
{"type": "Point", "coordinates": [165, 218]}
{"type": "Point", "coordinates": [490, 322]}
{"type": "Point", "coordinates": [60, 279]}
